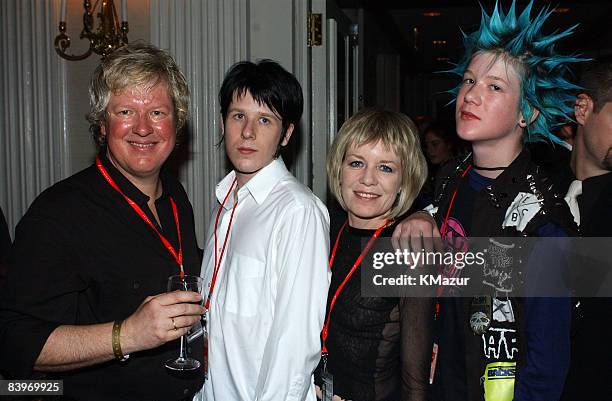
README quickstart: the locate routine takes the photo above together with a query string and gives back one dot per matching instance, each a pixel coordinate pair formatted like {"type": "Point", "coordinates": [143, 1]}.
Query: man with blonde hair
{"type": "Point", "coordinates": [86, 286]}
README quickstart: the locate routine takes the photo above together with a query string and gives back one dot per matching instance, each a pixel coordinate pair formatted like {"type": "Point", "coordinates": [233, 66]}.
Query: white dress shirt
{"type": "Point", "coordinates": [268, 304]}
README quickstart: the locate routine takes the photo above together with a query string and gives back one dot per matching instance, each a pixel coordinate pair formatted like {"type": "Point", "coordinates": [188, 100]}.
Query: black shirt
{"type": "Point", "coordinates": [379, 347]}
{"type": "Point", "coordinates": [82, 256]}
{"type": "Point", "coordinates": [595, 205]}
{"type": "Point", "coordinates": [591, 367]}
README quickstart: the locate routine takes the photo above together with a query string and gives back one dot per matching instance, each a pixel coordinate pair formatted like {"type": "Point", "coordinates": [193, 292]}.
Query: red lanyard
{"type": "Point", "coordinates": [178, 256]}
{"type": "Point", "coordinates": [366, 249]}
{"type": "Point", "coordinates": [220, 257]}
{"type": "Point", "coordinates": [450, 206]}
{"type": "Point", "coordinates": [440, 289]}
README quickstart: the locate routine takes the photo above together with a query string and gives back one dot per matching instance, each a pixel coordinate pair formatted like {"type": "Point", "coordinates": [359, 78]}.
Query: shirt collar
{"type": "Point", "coordinates": [129, 189]}
{"type": "Point", "coordinates": [258, 186]}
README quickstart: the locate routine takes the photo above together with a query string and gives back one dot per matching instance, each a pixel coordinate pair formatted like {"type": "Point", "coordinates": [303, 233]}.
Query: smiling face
{"type": "Point", "coordinates": [140, 131]}
{"type": "Point", "coordinates": [370, 181]}
{"type": "Point", "coordinates": [487, 106]}
{"type": "Point", "coordinates": [252, 136]}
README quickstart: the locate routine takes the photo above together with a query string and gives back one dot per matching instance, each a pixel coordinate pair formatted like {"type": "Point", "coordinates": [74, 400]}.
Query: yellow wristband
{"type": "Point", "coordinates": [117, 343]}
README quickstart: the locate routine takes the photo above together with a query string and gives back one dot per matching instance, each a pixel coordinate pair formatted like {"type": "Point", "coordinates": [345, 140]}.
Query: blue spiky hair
{"type": "Point", "coordinates": [544, 85]}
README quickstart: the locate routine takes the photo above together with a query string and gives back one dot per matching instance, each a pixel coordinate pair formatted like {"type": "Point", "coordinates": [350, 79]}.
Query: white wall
{"type": "Point", "coordinates": [277, 31]}
{"type": "Point", "coordinates": [270, 31]}
{"type": "Point", "coordinates": [33, 145]}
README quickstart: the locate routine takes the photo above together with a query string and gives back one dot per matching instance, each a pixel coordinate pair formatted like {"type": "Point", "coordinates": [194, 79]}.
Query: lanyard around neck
{"type": "Point", "coordinates": [366, 249]}
{"type": "Point", "coordinates": [178, 256]}
{"type": "Point", "coordinates": [219, 258]}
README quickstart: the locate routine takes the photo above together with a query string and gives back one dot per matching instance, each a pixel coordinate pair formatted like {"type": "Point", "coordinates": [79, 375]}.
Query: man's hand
{"type": "Point", "coordinates": [72, 347]}
{"type": "Point", "coordinates": [160, 319]}
{"type": "Point", "coordinates": [417, 233]}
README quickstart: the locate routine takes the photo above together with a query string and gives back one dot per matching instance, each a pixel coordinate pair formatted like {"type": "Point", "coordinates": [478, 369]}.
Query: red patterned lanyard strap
{"type": "Point", "coordinates": [450, 206]}
{"type": "Point", "coordinates": [219, 258]}
{"type": "Point", "coordinates": [444, 229]}
{"type": "Point", "coordinates": [366, 249]}
{"type": "Point", "coordinates": [178, 256]}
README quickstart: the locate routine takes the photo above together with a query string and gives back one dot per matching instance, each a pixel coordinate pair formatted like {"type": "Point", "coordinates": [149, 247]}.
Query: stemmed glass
{"type": "Point", "coordinates": [185, 283]}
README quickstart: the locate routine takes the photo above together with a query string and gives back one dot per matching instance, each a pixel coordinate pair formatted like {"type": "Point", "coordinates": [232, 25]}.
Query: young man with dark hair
{"type": "Point", "coordinates": [265, 261]}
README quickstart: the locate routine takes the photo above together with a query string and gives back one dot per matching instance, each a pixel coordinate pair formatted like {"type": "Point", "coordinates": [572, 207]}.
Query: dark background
{"type": "Point", "coordinates": [427, 37]}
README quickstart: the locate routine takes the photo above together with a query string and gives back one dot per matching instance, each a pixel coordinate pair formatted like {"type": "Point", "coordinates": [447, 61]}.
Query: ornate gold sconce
{"type": "Point", "coordinates": [111, 32]}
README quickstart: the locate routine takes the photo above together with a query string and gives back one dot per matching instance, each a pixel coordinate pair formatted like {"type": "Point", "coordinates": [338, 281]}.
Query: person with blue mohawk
{"type": "Point", "coordinates": [514, 89]}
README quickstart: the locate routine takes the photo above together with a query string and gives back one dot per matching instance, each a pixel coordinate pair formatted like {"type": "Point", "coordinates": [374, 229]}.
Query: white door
{"type": "Point", "coordinates": [335, 84]}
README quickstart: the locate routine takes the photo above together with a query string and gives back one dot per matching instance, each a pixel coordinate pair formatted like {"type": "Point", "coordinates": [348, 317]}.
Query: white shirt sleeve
{"type": "Point", "coordinates": [293, 348]}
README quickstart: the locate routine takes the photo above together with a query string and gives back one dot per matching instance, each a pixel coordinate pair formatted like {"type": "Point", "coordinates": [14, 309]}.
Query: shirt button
{"type": "Point", "coordinates": [136, 285]}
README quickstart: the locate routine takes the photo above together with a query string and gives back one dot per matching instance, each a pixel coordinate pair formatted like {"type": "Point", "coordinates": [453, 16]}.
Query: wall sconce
{"type": "Point", "coordinates": [110, 35]}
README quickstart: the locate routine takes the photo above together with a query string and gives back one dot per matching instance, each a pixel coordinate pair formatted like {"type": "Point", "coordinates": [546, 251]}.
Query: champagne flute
{"type": "Point", "coordinates": [185, 283]}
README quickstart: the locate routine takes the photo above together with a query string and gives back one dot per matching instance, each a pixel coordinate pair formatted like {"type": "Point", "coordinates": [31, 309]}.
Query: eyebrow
{"type": "Point", "coordinates": [269, 115]}
{"type": "Point", "coordinates": [379, 161]}
{"type": "Point", "coordinates": [496, 78]}
{"type": "Point", "coordinates": [353, 154]}
{"type": "Point", "coordinates": [129, 105]}
{"type": "Point", "coordinates": [493, 77]}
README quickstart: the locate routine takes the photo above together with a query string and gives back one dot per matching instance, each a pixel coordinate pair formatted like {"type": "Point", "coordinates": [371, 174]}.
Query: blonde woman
{"type": "Point", "coordinates": [375, 348]}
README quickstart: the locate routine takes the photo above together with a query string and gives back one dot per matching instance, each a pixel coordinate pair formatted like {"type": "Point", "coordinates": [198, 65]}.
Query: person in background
{"type": "Point", "coordinates": [376, 348]}
{"type": "Point", "coordinates": [440, 146]}
{"type": "Point", "coordinates": [589, 194]}
{"type": "Point", "coordinates": [440, 143]}
{"type": "Point", "coordinates": [265, 260]}
{"type": "Point", "coordinates": [85, 300]}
